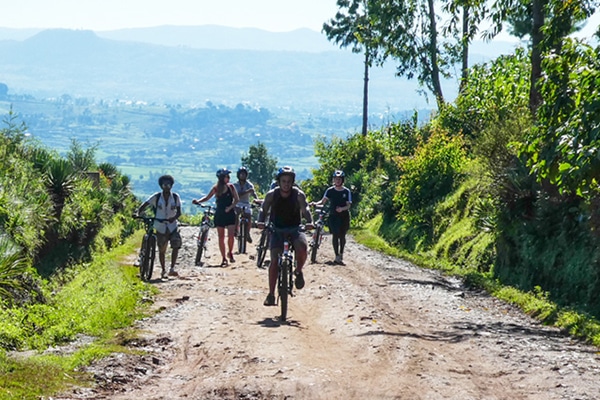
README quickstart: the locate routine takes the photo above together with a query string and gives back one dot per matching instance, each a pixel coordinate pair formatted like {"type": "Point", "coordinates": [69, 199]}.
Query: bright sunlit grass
{"type": "Point", "coordinates": [102, 298]}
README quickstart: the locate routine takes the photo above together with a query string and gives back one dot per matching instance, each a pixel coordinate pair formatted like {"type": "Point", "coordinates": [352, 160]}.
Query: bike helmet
{"type": "Point", "coordinates": [223, 172]}
{"type": "Point", "coordinates": [339, 174]}
{"type": "Point", "coordinates": [240, 170]}
{"type": "Point", "coordinates": [166, 179]}
{"type": "Point", "coordinates": [286, 171]}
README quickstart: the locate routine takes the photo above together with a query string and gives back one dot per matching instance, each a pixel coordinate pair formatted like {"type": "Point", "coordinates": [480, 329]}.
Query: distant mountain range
{"type": "Point", "coordinates": [192, 65]}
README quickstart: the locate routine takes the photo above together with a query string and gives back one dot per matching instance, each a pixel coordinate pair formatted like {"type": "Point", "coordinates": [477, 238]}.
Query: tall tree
{"type": "Point", "coordinates": [547, 22]}
{"type": "Point", "coordinates": [409, 34]}
{"type": "Point", "coordinates": [352, 27]}
{"type": "Point", "coordinates": [468, 14]}
{"type": "Point", "coordinates": [261, 166]}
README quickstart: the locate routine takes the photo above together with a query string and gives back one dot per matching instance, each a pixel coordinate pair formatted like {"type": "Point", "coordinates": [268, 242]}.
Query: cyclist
{"type": "Point", "coordinates": [227, 197]}
{"type": "Point", "coordinates": [245, 189]}
{"type": "Point", "coordinates": [339, 216]}
{"type": "Point", "coordinates": [167, 206]}
{"type": "Point", "coordinates": [285, 205]}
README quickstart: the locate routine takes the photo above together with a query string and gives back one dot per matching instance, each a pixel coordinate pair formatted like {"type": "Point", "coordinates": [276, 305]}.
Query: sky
{"type": "Point", "coordinates": [101, 15]}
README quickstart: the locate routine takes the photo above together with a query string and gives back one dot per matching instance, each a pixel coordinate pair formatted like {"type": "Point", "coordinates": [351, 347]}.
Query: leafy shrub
{"type": "Point", "coordinates": [427, 178]}
{"type": "Point", "coordinates": [368, 162]}
{"type": "Point", "coordinates": [495, 91]}
{"type": "Point", "coordinates": [564, 147]}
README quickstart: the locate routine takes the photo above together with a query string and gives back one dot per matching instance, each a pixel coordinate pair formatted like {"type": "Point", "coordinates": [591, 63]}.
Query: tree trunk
{"type": "Point", "coordinates": [365, 119]}
{"type": "Point", "coordinates": [435, 70]}
{"type": "Point", "coordinates": [465, 49]}
{"type": "Point", "coordinates": [536, 53]}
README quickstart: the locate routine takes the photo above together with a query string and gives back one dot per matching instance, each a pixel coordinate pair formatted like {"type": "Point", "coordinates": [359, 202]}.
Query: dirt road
{"type": "Point", "coordinates": [377, 328]}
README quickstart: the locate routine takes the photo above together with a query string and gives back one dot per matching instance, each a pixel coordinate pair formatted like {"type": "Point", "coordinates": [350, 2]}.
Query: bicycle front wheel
{"type": "Point", "coordinates": [285, 269]}
{"type": "Point", "coordinates": [262, 248]}
{"type": "Point", "coordinates": [242, 237]}
{"type": "Point", "coordinates": [315, 244]}
{"type": "Point", "coordinates": [148, 253]}
{"type": "Point", "coordinates": [152, 241]}
{"type": "Point", "coordinates": [201, 245]}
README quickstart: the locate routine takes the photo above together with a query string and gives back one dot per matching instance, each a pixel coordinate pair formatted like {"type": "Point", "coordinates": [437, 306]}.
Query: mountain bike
{"type": "Point", "coordinates": [317, 236]}
{"type": "Point", "coordinates": [286, 264]}
{"type": "Point", "coordinates": [243, 227]}
{"type": "Point", "coordinates": [202, 238]}
{"type": "Point", "coordinates": [147, 253]}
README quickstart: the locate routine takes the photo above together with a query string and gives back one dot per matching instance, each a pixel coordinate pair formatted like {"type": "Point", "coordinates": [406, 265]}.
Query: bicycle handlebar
{"type": "Point", "coordinates": [145, 218]}
{"type": "Point", "coordinates": [208, 207]}
{"type": "Point", "coordinates": [273, 228]}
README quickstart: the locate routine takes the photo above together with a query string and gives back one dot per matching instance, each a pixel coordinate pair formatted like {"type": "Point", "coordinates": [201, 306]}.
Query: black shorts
{"type": "Point", "coordinates": [224, 219]}
{"type": "Point", "coordinates": [339, 223]}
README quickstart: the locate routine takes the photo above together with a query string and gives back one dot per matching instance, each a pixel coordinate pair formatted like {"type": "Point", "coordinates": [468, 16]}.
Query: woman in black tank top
{"type": "Point", "coordinates": [227, 198]}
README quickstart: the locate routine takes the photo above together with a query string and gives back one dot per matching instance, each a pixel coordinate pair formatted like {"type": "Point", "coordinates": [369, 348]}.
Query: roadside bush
{"type": "Point", "coordinates": [496, 91]}
{"type": "Point", "coordinates": [368, 162]}
{"type": "Point", "coordinates": [427, 178]}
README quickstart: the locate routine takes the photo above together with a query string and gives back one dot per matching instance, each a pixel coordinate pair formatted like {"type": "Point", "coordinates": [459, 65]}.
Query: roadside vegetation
{"type": "Point", "coordinates": [499, 187]}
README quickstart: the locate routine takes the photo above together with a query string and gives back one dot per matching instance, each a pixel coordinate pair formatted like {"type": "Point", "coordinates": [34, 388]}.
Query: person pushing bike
{"type": "Point", "coordinates": [167, 210]}
{"type": "Point", "coordinates": [285, 205]}
{"type": "Point", "coordinates": [245, 189]}
{"type": "Point", "coordinates": [226, 199]}
{"type": "Point", "coordinates": [340, 198]}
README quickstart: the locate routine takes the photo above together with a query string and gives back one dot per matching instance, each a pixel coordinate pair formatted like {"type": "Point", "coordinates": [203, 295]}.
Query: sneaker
{"type": "Point", "coordinates": [270, 300]}
{"type": "Point", "coordinates": [172, 272]}
{"type": "Point", "coordinates": [337, 259]}
{"type": "Point", "coordinates": [299, 279]}
{"type": "Point", "coordinates": [164, 275]}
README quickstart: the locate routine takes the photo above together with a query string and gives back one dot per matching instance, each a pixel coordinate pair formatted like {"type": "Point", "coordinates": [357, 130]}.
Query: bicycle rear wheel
{"type": "Point", "coordinates": [283, 286]}
{"type": "Point", "coordinates": [315, 244]}
{"type": "Point", "coordinates": [262, 248]}
{"type": "Point", "coordinates": [201, 245]}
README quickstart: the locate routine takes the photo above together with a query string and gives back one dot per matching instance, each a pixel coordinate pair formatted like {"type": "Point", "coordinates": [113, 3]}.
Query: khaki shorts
{"type": "Point", "coordinates": [162, 239]}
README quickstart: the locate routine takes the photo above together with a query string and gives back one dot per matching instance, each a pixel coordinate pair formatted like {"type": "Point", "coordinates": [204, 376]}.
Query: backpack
{"type": "Point", "coordinates": [156, 197]}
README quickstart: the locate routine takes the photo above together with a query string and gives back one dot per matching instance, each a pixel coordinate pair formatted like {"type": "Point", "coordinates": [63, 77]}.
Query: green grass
{"type": "Point", "coordinates": [536, 303]}
{"type": "Point", "coordinates": [101, 300]}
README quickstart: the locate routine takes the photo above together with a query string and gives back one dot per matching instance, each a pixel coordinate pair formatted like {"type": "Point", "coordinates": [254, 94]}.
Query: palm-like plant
{"type": "Point", "coordinates": [108, 170]}
{"type": "Point", "coordinates": [60, 178]}
{"type": "Point", "coordinates": [12, 267]}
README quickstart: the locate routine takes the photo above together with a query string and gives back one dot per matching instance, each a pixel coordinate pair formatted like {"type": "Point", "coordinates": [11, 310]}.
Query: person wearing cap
{"type": "Point", "coordinates": [167, 209]}
{"type": "Point", "coordinates": [286, 205]}
{"type": "Point", "coordinates": [245, 189]}
{"type": "Point", "coordinates": [226, 199]}
{"type": "Point", "coordinates": [340, 198]}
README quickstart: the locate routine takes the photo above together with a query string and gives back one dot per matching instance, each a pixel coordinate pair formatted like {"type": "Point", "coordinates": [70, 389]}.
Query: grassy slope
{"type": "Point", "coordinates": [102, 300]}
{"type": "Point", "coordinates": [533, 303]}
